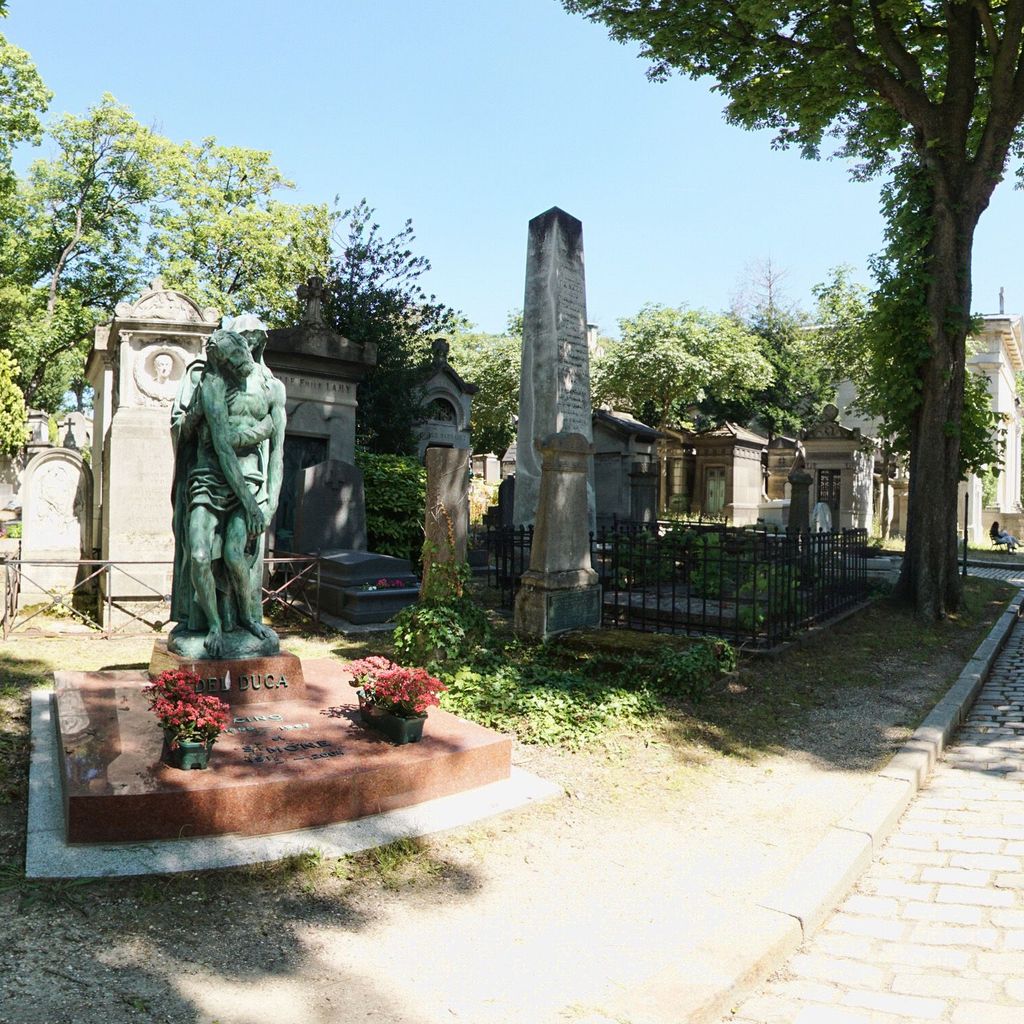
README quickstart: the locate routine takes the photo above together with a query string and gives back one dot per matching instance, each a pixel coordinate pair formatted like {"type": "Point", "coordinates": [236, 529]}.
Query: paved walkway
{"type": "Point", "coordinates": [934, 930]}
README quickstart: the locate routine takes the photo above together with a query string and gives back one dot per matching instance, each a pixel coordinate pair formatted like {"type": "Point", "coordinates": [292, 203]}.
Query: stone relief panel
{"type": "Point", "coordinates": [157, 371]}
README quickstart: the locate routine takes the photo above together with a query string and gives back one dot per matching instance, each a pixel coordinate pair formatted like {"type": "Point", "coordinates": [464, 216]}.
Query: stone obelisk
{"type": "Point", "coordinates": [554, 382]}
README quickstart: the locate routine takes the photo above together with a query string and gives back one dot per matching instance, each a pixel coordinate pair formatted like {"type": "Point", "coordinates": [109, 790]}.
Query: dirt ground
{"type": "Point", "coordinates": [541, 916]}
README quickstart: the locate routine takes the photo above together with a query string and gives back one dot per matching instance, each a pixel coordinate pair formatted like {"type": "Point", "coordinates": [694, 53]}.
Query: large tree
{"type": "Point", "coordinates": [374, 296]}
{"type": "Point", "coordinates": [221, 235]}
{"type": "Point", "coordinates": [78, 216]}
{"type": "Point", "coordinates": [936, 88]}
{"type": "Point", "coordinates": [491, 362]}
{"type": "Point", "coordinates": [670, 359]}
{"type": "Point", "coordinates": [799, 385]}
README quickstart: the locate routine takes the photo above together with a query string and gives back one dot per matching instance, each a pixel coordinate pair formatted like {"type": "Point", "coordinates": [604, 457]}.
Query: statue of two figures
{"type": "Point", "coordinates": [227, 426]}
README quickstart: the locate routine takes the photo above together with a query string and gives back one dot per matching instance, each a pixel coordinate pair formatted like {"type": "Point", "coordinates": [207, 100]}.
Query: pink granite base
{"type": "Point", "coordinates": [283, 765]}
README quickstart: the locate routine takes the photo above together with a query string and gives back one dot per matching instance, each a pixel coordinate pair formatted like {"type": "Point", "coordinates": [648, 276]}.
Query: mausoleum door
{"type": "Point", "coordinates": [828, 491]}
{"type": "Point", "coordinates": [714, 501]}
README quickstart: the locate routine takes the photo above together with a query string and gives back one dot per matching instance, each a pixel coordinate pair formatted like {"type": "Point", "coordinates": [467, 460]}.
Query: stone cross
{"type": "Point", "coordinates": [312, 293]}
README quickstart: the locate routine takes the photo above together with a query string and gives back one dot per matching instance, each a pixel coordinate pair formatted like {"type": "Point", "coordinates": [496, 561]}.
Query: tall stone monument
{"type": "Point", "coordinates": [135, 367]}
{"type": "Point", "coordinates": [554, 383]}
{"type": "Point", "coordinates": [560, 591]}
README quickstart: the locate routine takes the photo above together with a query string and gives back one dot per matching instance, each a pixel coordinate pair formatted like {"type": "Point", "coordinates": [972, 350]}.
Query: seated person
{"type": "Point", "coordinates": [1000, 536]}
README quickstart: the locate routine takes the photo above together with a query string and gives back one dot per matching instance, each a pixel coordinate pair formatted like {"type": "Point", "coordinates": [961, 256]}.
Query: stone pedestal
{"type": "Point", "coordinates": [237, 681]}
{"type": "Point", "coordinates": [554, 384]}
{"type": "Point", "coordinates": [560, 590]}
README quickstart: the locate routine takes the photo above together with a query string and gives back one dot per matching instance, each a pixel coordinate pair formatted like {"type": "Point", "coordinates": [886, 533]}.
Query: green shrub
{"type": "Point", "coordinates": [396, 496]}
{"type": "Point", "coordinates": [543, 705]}
{"type": "Point", "coordinates": [551, 694]}
{"type": "Point", "coordinates": [445, 625]}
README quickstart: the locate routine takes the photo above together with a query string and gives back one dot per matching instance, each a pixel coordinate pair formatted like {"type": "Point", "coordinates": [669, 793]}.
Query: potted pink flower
{"type": "Point", "coordinates": [191, 721]}
{"type": "Point", "coordinates": [392, 699]}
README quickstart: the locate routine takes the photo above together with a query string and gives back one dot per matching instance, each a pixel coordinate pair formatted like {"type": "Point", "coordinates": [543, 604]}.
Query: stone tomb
{"type": "Point", "coordinates": [330, 520]}
{"type": "Point", "coordinates": [625, 469]}
{"type": "Point", "coordinates": [320, 370]}
{"type": "Point", "coordinates": [283, 764]}
{"type": "Point", "coordinates": [447, 400]}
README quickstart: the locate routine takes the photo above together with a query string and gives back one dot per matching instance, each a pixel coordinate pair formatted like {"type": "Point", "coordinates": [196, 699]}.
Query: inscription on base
{"type": "Point", "coordinates": [571, 609]}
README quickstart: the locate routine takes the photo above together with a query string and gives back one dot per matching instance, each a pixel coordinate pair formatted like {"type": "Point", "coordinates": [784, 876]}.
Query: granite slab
{"type": "Point", "coordinates": [282, 765]}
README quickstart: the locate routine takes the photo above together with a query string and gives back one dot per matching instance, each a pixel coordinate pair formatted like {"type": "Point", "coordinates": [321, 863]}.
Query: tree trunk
{"type": "Point", "coordinates": [884, 511]}
{"type": "Point", "coordinates": [929, 577]}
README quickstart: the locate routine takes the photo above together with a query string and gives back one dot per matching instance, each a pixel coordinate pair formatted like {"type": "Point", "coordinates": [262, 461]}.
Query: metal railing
{"type": "Point", "coordinates": [112, 597]}
{"type": "Point", "coordinates": [754, 586]}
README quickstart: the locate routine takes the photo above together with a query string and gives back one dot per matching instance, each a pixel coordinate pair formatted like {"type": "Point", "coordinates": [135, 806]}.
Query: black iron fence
{"type": "Point", "coordinates": [754, 586]}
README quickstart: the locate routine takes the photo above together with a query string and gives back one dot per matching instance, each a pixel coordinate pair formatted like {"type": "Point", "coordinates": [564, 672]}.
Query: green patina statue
{"type": "Point", "coordinates": [227, 424]}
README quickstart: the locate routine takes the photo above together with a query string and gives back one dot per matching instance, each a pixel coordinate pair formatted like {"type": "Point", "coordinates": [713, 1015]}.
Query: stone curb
{"type": "Point", "coordinates": [726, 970]}
{"type": "Point", "coordinates": [827, 874]}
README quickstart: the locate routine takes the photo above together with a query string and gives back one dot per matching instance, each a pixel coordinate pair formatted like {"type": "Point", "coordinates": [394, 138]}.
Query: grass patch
{"type": "Point", "coordinates": [573, 690]}
{"type": "Point", "coordinates": [586, 686]}
{"type": "Point", "coordinates": [871, 655]}
{"type": "Point", "coordinates": [396, 865]}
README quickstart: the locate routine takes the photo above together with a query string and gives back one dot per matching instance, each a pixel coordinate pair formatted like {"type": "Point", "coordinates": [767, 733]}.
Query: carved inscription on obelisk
{"type": "Point", "coordinates": [554, 384]}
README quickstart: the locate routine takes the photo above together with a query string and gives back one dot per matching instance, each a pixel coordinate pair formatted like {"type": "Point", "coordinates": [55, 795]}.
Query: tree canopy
{"type": "Point", "coordinates": [492, 363]}
{"type": "Point", "coordinates": [221, 236]}
{"type": "Point", "coordinates": [932, 91]}
{"type": "Point", "coordinates": [669, 359]}
{"type": "Point", "coordinates": [374, 296]}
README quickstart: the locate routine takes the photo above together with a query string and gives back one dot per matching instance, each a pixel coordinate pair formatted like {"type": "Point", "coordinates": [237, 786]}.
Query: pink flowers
{"type": "Point", "coordinates": [385, 584]}
{"type": "Point", "coordinates": [184, 714]}
{"type": "Point", "coordinates": [406, 692]}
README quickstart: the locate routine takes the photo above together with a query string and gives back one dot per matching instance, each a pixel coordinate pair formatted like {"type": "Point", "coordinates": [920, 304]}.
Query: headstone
{"type": "Point", "coordinates": [554, 386]}
{"type": "Point", "coordinates": [447, 519]}
{"type": "Point", "coordinates": [506, 501]}
{"type": "Point", "coordinates": [56, 509]}
{"type": "Point", "coordinates": [800, 496]}
{"type": "Point", "coordinates": [330, 512]}
{"type": "Point", "coordinates": [560, 591]}
{"type": "Point", "coordinates": [487, 468]}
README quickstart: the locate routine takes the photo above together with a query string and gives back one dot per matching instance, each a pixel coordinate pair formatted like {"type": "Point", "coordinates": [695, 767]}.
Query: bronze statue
{"type": "Point", "coordinates": [228, 424]}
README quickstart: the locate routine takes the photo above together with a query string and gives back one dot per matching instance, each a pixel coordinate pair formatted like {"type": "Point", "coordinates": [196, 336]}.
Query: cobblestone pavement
{"type": "Point", "coordinates": [934, 930]}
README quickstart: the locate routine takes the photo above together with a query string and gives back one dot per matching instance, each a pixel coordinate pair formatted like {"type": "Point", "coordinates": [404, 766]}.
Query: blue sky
{"type": "Point", "coordinates": [472, 116]}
